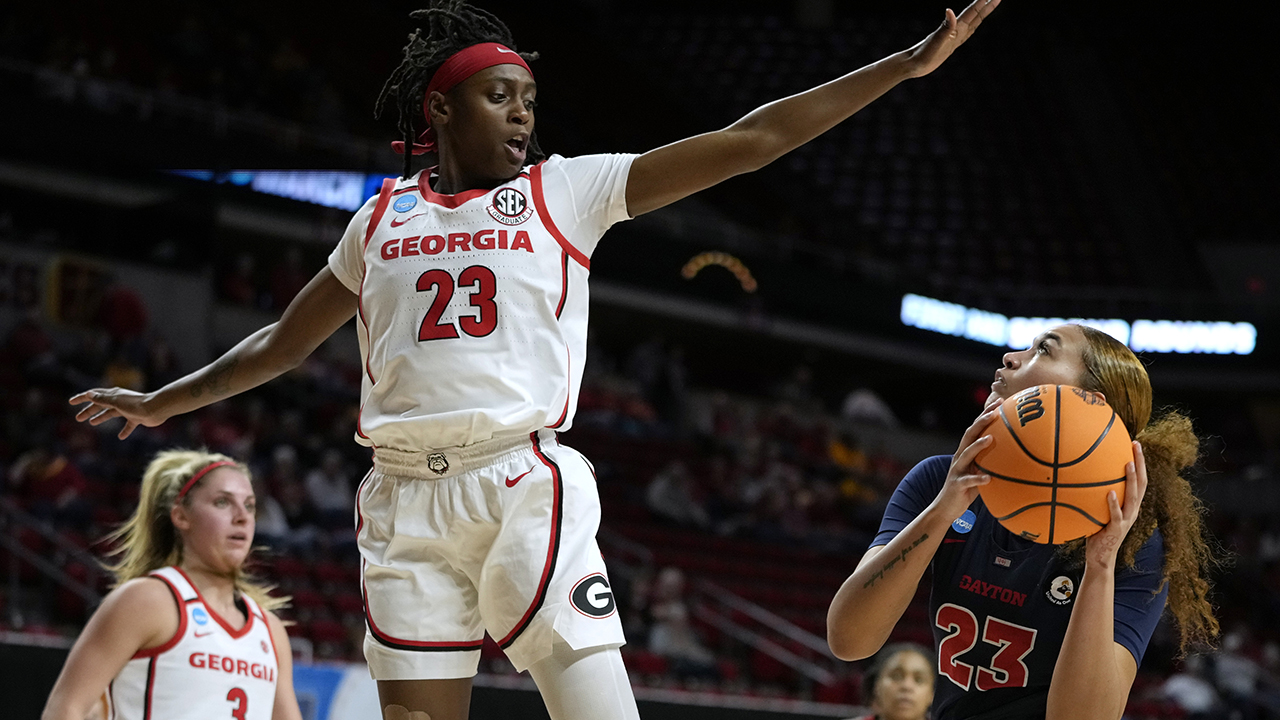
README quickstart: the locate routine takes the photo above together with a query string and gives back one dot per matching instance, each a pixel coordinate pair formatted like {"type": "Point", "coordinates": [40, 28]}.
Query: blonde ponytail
{"type": "Point", "coordinates": [149, 541]}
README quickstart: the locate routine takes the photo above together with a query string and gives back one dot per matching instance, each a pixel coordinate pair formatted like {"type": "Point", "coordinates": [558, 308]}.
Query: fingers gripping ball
{"type": "Point", "coordinates": [1056, 452]}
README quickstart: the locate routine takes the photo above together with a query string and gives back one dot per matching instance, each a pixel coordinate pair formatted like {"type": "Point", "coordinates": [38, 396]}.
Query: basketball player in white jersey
{"type": "Point", "coordinates": [468, 281]}
{"type": "Point", "coordinates": [183, 636]}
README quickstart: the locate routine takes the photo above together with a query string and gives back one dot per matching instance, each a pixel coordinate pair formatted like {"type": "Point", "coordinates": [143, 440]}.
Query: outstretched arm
{"type": "Point", "coordinates": [1094, 673]}
{"type": "Point", "coordinates": [320, 309]}
{"type": "Point", "coordinates": [669, 173]}
{"type": "Point", "coordinates": [873, 598]}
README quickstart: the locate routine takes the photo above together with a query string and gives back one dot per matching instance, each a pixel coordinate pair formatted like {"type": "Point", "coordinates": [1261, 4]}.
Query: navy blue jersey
{"type": "Point", "coordinates": [1000, 604]}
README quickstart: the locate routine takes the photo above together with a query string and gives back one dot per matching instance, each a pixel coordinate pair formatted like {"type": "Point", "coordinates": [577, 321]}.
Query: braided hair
{"type": "Point", "coordinates": [451, 26]}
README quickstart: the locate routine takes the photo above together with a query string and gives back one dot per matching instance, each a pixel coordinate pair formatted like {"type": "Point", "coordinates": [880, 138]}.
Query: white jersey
{"type": "Point", "coordinates": [472, 313]}
{"type": "Point", "coordinates": [206, 670]}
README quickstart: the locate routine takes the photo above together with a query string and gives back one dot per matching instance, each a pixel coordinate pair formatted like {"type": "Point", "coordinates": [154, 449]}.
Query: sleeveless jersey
{"type": "Point", "coordinates": [472, 315]}
{"type": "Point", "coordinates": [1000, 605]}
{"type": "Point", "coordinates": [206, 670]}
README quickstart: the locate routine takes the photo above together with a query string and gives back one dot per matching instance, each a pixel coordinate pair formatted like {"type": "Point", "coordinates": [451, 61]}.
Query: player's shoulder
{"type": "Point", "coordinates": [931, 471]}
{"type": "Point", "coordinates": [585, 164]}
{"type": "Point", "coordinates": [143, 607]}
{"type": "Point", "coordinates": [148, 593]}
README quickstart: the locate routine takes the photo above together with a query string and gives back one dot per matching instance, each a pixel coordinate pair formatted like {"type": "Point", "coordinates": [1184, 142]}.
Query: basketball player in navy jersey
{"type": "Point", "coordinates": [468, 281]}
{"type": "Point", "coordinates": [1025, 630]}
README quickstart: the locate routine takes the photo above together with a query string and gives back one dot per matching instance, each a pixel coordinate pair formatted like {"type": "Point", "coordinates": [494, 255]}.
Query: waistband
{"type": "Point", "coordinates": [438, 463]}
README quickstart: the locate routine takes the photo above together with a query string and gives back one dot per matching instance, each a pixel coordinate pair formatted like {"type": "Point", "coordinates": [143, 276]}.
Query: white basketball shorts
{"type": "Point", "coordinates": [496, 536]}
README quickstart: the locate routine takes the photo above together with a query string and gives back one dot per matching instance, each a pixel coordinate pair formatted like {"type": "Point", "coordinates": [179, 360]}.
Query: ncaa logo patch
{"type": "Point", "coordinates": [592, 597]}
{"type": "Point", "coordinates": [964, 523]}
{"type": "Point", "coordinates": [404, 203]}
{"type": "Point", "coordinates": [509, 207]}
{"type": "Point", "coordinates": [1061, 590]}
{"type": "Point", "coordinates": [199, 616]}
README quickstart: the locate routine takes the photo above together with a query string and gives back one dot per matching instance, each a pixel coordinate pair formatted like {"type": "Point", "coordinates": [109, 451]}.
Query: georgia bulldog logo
{"type": "Point", "coordinates": [510, 207]}
{"type": "Point", "coordinates": [438, 463]}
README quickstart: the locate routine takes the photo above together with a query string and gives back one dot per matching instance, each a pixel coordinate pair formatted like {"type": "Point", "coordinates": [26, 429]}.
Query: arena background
{"type": "Point", "coordinates": [748, 423]}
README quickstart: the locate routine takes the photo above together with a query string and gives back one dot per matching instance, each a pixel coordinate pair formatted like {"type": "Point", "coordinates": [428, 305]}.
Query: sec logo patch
{"type": "Point", "coordinates": [509, 207]}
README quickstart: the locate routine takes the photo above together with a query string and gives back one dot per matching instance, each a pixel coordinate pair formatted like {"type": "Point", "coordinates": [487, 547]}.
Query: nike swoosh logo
{"type": "Point", "coordinates": [512, 483]}
{"type": "Point", "coordinates": [513, 52]}
{"type": "Point", "coordinates": [948, 541]}
{"type": "Point", "coordinates": [203, 634]}
{"type": "Point", "coordinates": [398, 223]}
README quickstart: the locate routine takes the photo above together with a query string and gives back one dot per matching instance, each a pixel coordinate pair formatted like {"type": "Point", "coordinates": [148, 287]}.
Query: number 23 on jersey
{"type": "Point", "coordinates": [1007, 667]}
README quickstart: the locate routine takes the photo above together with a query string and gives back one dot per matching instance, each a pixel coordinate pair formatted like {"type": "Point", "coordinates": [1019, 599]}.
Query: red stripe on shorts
{"type": "Point", "coordinates": [553, 546]}
{"type": "Point", "coordinates": [375, 631]}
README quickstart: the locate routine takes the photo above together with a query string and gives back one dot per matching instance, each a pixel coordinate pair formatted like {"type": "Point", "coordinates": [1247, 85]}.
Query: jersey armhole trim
{"type": "Point", "coordinates": [539, 203]}
{"type": "Point", "coordinates": [384, 199]}
{"type": "Point", "coordinates": [182, 623]}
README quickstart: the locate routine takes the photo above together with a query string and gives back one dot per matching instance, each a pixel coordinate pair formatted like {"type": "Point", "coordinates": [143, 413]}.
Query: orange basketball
{"type": "Point", "coordinates": [1056, 452]}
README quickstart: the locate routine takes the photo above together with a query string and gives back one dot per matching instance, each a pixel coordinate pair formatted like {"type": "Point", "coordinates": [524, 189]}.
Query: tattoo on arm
{"type": "Point", "coordinates": [902, 556]}
{"type": "Point", "coordinates": [218, 380]}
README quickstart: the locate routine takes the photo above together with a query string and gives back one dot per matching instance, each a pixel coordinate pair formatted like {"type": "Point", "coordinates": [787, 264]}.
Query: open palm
{"type": "Point", "coordinates": [931, 52]}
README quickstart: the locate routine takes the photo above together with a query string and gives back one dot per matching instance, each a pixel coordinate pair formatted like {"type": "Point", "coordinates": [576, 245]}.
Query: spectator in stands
{"type": "Point", "coordinates": [238, 285]}
{"type": "Point", "coordinates": [51, 487]}
{"type": "Point", "coordinates": [1239, 677]}
{"type": "Point", "coordinates": [1191, 691]}
{"type": "Point", "coordinates": [287, 279]}
{"type": "Point", "coordinates": [670, 633]}
{"type": "Point", "coordinates": [330, 491]}
{"type": "Point", "coordinates": [865, 406]}
{"type": "Point", "coordinates": [671, 496]}
{"type": "Point", "coordinates": [899, 683]}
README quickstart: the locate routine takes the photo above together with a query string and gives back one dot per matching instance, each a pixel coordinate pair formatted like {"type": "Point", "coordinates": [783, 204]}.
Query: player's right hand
{"type": "Point", "coordinates": [963, 480]}
{"type": "Point", "coordinates": [107, 403]}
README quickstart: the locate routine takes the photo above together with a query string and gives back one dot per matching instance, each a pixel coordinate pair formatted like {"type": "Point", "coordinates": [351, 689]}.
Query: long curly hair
{"type": "Point", "coordinates": [451, 26]}
{"type": "Point", "coordinates": [1170, 446]}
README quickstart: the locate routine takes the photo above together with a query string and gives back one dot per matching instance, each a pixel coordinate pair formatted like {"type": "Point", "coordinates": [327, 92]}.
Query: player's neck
{"type": "Point", "coordinates": [451, 178]}
{"type": "Point", "coordinates": [218, 589]}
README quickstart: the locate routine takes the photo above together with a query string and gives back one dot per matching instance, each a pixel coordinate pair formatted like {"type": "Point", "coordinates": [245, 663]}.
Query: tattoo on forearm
{"type": "Point", "coordinates": [902, 556]}
{"type": "Point", "coordinates": [218, 380]}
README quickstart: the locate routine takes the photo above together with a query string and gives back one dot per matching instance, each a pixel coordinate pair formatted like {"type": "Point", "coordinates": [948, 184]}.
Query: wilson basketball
{"type": "Point", "coordinates": [1056, 452]}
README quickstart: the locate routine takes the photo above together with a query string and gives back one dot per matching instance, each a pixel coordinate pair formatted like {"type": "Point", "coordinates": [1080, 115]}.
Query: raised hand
{"type": "Point", "coordinates": [1102, 547]}
{"type": "Point", "coordinates": [931, 52]}
{"type": "Point", "coordinates": [107, 403]}
{"type": "Point", "coordinates": [963, 480]}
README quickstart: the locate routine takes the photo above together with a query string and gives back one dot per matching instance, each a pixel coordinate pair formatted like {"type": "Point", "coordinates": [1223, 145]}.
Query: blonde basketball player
{"type": "Point", "coordinates": [469, 282]}
{"type": "Point", "coordinates": [183, 634]}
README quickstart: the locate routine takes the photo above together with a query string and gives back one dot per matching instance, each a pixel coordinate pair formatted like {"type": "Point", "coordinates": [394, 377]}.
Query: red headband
{"type": "Point", "coordinates": [460, 66]}
{"type": "Point", "coordinates": [201, 473]}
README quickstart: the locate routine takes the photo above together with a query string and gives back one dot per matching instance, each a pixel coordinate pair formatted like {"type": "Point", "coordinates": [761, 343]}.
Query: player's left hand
{"type": "Point", "coordinates": [931, 52]}
{"type": "Point", "coordinates": [1102, 547]}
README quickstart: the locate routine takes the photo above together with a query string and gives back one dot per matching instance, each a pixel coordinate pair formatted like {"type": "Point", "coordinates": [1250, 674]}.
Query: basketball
{"type": "Point", "coordinates": [1056, 452]}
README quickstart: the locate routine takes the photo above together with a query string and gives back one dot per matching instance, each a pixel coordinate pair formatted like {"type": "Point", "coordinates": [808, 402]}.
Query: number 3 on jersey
{"type": "Point", "coordinates": [237, 696]}
{"type": "Point", "coordinates": [484, 285]}
{"type": "Point", "coordinates": [1007, 669]}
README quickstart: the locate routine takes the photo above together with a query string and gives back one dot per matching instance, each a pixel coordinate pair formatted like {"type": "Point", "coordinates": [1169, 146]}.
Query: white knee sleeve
{"type": "Point", "coordinates": [588, 684]}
